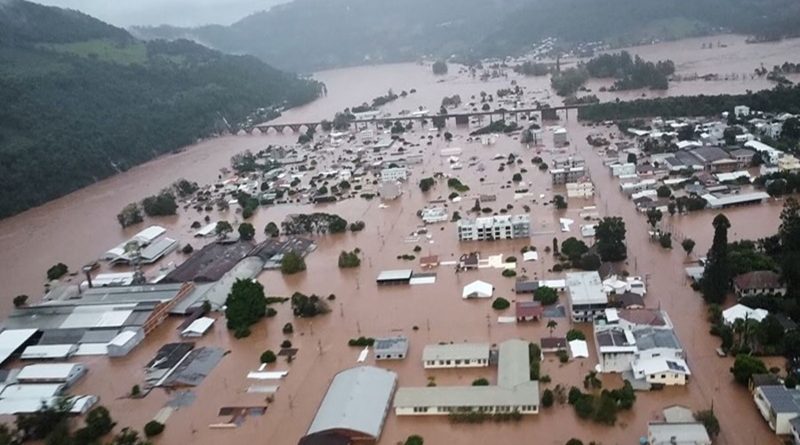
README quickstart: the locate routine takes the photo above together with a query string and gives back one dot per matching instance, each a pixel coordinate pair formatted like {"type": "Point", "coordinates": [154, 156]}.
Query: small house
{"type": "Point", "coordinates": [758, 282]}
{"type": "Point", "coordinates": [529, 310]}
{"type": "Point", "coordinates": [391, 348]}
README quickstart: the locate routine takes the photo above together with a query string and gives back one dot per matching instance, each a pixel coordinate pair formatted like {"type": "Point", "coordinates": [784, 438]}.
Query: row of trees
{"type": "Point", "coordinates": [779, 100]}
{"type": "Point", "coordinates": [631, 72]}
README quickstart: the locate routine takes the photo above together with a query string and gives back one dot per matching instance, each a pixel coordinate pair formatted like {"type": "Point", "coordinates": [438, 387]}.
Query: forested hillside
{"type": "Point", "coordinates": [313, 34]}
{"type": "Point", "coordinates": [82, 100]}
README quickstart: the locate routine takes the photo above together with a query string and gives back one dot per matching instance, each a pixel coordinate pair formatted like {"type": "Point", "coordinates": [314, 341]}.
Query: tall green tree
{"type": "Point", "coordinates": [246, 305]}
{"type": "Point", "coordinates": [246, 231]}
{"type": "Point", "coordinates": [610, 239]}
{"type": "Point", "coordinates": [717, 273]}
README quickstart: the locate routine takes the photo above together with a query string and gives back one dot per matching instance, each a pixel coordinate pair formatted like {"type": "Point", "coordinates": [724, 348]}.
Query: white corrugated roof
{"type": "Point", "coordinates": [48, 351]}
{"type": "Point", "coordinates": [11, 340]}
{"type": "Point", "coordinates": [122, 338]}
{"type": "Point", "coordinates": [39, 391]}
{"type": "Point", "coordinates": [357, 400]}
{"type": "Point", "coordinates": [49, 371]}
{"type": "Point", "coordinates": [198, 327]}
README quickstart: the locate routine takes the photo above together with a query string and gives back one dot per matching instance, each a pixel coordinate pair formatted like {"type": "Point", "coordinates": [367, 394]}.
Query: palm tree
{"type": "Point", "coordinates": [551, 325]}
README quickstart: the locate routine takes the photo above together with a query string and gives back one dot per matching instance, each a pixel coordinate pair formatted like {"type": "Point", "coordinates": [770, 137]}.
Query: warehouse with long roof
{"type": "Point", "coordinates": [354, 408]}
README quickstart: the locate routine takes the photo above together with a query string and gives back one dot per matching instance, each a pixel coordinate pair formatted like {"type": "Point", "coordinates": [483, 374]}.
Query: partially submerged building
{"type": "Point", "coordinates": [490, 228]}
{"type": "Point", "coordinates": [514, 392]}
{"type": "Point", "coordinates": [587, 299]}
{"type": "Point", "coordinates": [391, 348]}
{"type": "Point", "coordinates": [457, 355]}
{"type": "Point", "coordinates": [354, 409]}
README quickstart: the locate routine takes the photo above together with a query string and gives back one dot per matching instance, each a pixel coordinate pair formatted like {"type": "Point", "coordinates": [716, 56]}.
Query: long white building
{"type": "Point", "coordinates": [514, 392]}
{"type": "Point", "coordinates": [459, 355]}
{"type": "Point", "coordinates": [492, 228]}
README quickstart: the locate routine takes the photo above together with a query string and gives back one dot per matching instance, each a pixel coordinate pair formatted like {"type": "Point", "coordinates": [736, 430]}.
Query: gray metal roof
{"type": "Point", "coordinates": [514, 386]}
{"type": "Point", "coordinates": [782, 399]}
{"type": "Point", "coordinates": [401, 274]}
{"type": "Point", "coordinates": [650, 338]}
{"type": "Point", "coordinates": [693, 433]}
{"type": "Point", "coordinates": [357, 400]}
{"type": "Point", "coordinates": [513, 366]}
{"type": "Point", "coordinates": [391, 345]}
{"type": "Point", "coordinates": [458, 351]}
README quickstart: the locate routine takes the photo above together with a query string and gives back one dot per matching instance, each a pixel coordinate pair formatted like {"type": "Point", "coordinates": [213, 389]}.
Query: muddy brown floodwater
{"type": "Point", "coordinates": [79, 227]}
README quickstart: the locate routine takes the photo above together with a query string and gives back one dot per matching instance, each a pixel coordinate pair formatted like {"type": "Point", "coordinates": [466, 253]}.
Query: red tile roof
{"type": "Point", "coordinates": [759, 279]}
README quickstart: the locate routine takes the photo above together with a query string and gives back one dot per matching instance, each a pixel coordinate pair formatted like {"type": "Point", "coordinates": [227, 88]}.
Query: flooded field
{"type": "Point", "coordinates": [79, 227]}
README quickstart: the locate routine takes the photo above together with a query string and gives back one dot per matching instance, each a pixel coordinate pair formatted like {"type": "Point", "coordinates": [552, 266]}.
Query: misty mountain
{"type": "Point", "coordinates": [308, 35]}
{"type": "Point", "coordinates": [82, 100]}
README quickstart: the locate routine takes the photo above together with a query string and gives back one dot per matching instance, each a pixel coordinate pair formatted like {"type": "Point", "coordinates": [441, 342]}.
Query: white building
{"type": "Point", "coordinates": [769, 154]}
{"type": "Point", "coordinates": [677, 433]}
{"type": "Point", "coordinates": [61, 373]}
{"type": "Point", "coordinates": [778, 405]}
{"type": "Point", "coordinates": [741, 111]}
{"type": "Point", "coordinates": [560, 137]}
{"type": "Point", "coordinates": [744, 313]}
{"type": "Point", "coordinates": [514, 392]}
{"type": "Point", "coordinates": [587, 299]}
{"type": "Point", "coordinates": [623, 169]}
{"type": "Point", "coordinates": [458, 355]}
{"type": "Point", "coordinates": [662, 371]}
{"type": "Point", "coordinates": [567, 175]}
{"type": "Point", "coordinates": [491, 228]}
{"type": "Point", "coordinates": [434, 215]}
{"type": "Point", "coordinates": [394, 174]}
{"type": "Point", "coordinates": [581, 189]}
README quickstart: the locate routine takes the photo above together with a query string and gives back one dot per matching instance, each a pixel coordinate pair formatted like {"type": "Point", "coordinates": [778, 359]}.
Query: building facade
{"type": "Point", "coordinates": [494, 228]}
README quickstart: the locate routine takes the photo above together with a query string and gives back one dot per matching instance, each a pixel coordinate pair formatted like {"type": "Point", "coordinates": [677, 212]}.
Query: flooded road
{"type": "Point", "coordinates": [79, 227]}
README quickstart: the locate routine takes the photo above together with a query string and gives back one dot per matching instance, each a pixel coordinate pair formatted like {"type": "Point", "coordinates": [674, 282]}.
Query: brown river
{"type": "Point", "coordinates": [79, 227]}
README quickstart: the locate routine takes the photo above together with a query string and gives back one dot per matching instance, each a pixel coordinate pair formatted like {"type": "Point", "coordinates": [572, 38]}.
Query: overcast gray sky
{"type": "Point", "coordinates": [127, 13]}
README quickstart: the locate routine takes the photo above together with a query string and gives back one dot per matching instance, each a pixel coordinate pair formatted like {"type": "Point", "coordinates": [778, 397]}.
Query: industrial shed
{"type": "Point", "coordinates": [354, 408]}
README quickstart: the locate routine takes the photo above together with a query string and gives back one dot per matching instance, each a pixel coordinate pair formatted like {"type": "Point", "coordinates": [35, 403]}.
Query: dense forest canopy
{"type": "Point", "coordinates": [83, 100]}
{"type": "Point", "coordinates": [314, 34]}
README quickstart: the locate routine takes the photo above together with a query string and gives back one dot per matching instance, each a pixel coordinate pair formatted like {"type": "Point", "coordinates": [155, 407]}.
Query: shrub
{"type": "Point", "coordinates": [511, 259]}
{"type": "Point", "coordinates": [288, 329]}
{"type": "Point", "coordinates": [136, 391]}
{"type": "Point", "coordinates": [57, 271]}
{"type": "Point", "coordinates": [508, 273]}
{"type": "Point", "coordinates": [563, 357]}
{"type": "Point", "coordinates": [547, 398]}
{"type": "Point", "coordinates": [268, 357]}
{"type": "Point", "coordinates": [153, 428]}
{"type": "Point", "coordinates": [271, 312]}
{"type": "Point", "coordinates": [20, 300]}
{"type": "Point", "coordinates": [348, 260]}
{"type": "Point", "coordinates": [187, 249]}
{"type": "Point", "coordinates": [545, 295]}
{"type": "Point", "coordinates": [500, 304]}
{"type": "Point", "coordinates": [357, 226]}
{"type": "Point", "coordinates": [574, 334]}
{"type": "Point", "coordinates": [480, 382]}
{"type": "Point", "coordinates": [414, 440]}
{"type": "Point", "coordinates": [361, 341]}
{"type": "Point", "coordinates": [292, 263]}
{"type": "Point", "coordinates": [286, 344]}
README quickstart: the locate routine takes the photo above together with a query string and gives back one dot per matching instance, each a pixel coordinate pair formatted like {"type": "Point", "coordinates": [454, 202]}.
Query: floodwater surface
{"type": "Point", "coordinates": [78, 227]}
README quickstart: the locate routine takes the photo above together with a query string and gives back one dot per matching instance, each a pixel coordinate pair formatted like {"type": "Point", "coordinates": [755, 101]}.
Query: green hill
{"type": "Point", "coordinates": [315, 34]}
{"type": "Point", "coordinates": [83, 100]}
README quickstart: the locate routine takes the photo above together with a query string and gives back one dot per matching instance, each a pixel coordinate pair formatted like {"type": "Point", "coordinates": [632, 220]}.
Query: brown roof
{"type": "Point", "coordinates": [554, 343]}
{"type": "Point", "coordinates": [759, 279]}
{"type": "Point", "coordinates": [429, 260]}
{"type": "Point", "coordinates": [645, 317]}
{"type": "Point", "coordinates": [529, 309]}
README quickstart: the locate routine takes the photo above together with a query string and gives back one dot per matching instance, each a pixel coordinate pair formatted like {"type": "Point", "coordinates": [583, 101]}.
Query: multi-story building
{"type": "Point", "coordinates": [394, 174]}
{"type": "Point", "coordinates": [491, 228]}
{"type": "Point", "coordinates": [587, 299]}
{"type": "Point", "coordinates": [567, 175]}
